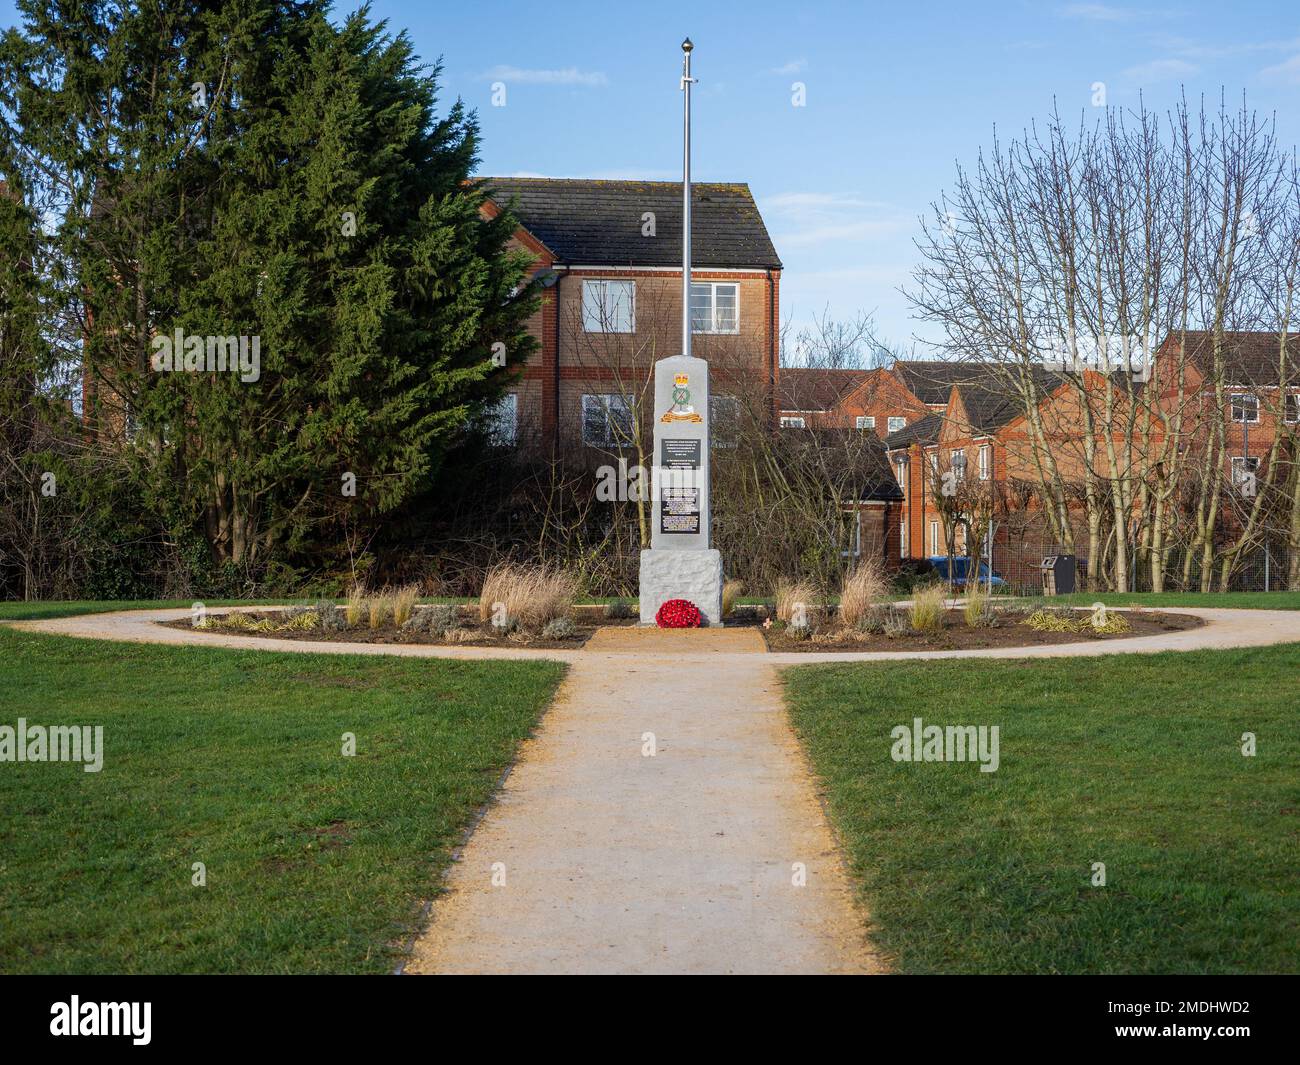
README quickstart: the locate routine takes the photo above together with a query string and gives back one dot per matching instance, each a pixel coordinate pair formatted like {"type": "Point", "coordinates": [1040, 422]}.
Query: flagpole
{"type": "Point", "coordinates": [687, 81]}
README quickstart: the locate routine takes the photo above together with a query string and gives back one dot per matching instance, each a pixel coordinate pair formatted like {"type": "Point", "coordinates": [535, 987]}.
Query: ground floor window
{"type": "Point", "coordinates": [902, 539]}
{"type": "Point", "coordinates": [606, 420]}
{"type": "Point", "coordinates": [503, 420]}
{"type": "Point", "coordinates": [936, 538]}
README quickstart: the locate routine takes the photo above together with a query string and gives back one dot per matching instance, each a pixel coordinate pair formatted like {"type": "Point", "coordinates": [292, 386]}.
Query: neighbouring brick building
{"type": "Point", "coordinates": [609, 256]}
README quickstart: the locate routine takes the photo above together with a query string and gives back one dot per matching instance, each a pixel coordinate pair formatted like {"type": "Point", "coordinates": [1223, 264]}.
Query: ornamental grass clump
{"type": "Point", "coordinates": [861, 590]}
{"type": "Point", "coordinates": [796, 603]}
{"type": "Point", "coordinates": [928, 610]}
{"type": "Point", "coordinates": [403, 601]}
{"type": "Point", "coordinates": [978, 610]}
{"type": "Point", "coordinates": [355, 607]}
{"type": "Point", "coordinates": [378, 610]}
{"type": "Point", "coordinates": [531, 596]}
{"type": "Point", "coordinates": [731, 591]}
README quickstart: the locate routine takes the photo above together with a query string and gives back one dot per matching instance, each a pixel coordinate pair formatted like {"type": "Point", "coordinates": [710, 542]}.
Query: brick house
{"type": "Point", "coordinates": [883, 400]}
{"type": "Point", "coordinates": [1262, 394]}
{"type": "Point", "coordinates": [608, 254]}
{"type": "Point", "coordinates": [982, 434]}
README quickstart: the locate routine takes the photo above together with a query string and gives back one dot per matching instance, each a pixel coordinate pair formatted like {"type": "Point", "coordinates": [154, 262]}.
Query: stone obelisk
{"type": "Point", "coordinates": [679, 563]}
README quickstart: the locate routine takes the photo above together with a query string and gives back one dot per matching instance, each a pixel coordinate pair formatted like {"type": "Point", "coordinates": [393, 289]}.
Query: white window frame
{"type": "Point", "coordinates": [503, 420]}
{"type": "Point", "coordinates": [1241, 464]}
{"type": "Point", "coordinates": [594, 315]}
{"type": "Point", "coordinates": [1250, 398]}
{"type": "Point", "coordinates": [900, 473]}
{"type": "Point", "coordinates": [856, 536]}
{"type": "Point", "coordinates": [958, 468]}
{"type": "Point", "coordinates": [935, 533]}
{"type": "Point", "coordinates": [609, 401]}
{"type": "Point", "coordinates": [713, 287]}
{"type": "Point", "coordinates": [864, 421]}
{"type": "Point", "coordinates": [894, 423]}
{"type": "Point", "coordinates": [792, 421]}
{"type": "Point", "coordinates": [902, 538]}
{"type": "Point", "coordinates": [1291, 408]}
{"type": "Point", "coordinates": [985, 462]}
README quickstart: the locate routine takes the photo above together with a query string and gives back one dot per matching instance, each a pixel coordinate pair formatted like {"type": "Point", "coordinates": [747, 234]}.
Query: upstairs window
{"type": "Point", "coordinates": [894, 424]}
{"type": "Point", "coordinates": [986, 462]}
{"type": "Point", "coordinates": [715, 307]}
{"type": "Point", "coordinates": [1245, 407]}
{"type": "Point", "coordinates": [957, 461]}
{"type": "Point", "coordinates": [609, 306]}
{"type": "Point", "coordinates": [792, 422]}
{"type": "Point", "coordinates": [864, 421]}
{"type": "Point", "coordinates": [606, 421]}
{"type": "Point", "coordinates": [1292, 407]}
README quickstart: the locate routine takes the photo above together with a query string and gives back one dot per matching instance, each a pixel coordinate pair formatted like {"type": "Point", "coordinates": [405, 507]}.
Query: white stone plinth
{"type": "Point", "coordinates": [692, 574]}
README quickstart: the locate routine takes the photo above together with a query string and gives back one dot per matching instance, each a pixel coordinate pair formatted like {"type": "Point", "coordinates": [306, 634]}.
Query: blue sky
{"type": "Point", "coordinates": [897, 94]}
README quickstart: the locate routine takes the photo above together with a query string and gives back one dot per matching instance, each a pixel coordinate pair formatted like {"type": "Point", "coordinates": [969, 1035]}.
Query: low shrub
{"type": "Point", "coordinates": [329, 617]}
{"type": "Point", "coordinates": [560, 629]}
{"type": "Point", "coordinates": [619, 610]}
{"type": "Point", "coordinates": [799, 632]}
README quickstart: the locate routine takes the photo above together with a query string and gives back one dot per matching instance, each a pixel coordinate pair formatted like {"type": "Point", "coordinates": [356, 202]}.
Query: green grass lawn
{"type": "Point", "coordinates": [1209, 600]}
{"type": "Point", "coordinates": [1131, 760]}
{"type": "Point", "coordinates": [315, 862]}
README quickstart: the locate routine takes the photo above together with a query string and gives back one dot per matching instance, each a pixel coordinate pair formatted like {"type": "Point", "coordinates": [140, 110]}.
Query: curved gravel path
{"type": "Point", "coordinates": [1222, 629]}
{"type": "Point", "coordinates": [711, 854]}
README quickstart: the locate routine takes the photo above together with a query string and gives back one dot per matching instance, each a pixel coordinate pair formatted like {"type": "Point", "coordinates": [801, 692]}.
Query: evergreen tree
{"type": "Point", "coordinates": [251, 170]}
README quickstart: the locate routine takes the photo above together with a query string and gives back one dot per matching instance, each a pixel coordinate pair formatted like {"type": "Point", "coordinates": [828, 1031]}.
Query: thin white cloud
{"type": "Point", "coordinates": [1286, 72]}
{"type": "Point", "coordinates": [1111, 13]}
{"type": "Point", "coordinates": [1161, 70]}
{"type": "Point", "coordinates": [792, 67]}
{"type": "Point", "coordinates": [566, 76]}
{"type": "Point", "coordinates": [803, 219]}
{"type": "Point", "coordinates": [1098, 12]}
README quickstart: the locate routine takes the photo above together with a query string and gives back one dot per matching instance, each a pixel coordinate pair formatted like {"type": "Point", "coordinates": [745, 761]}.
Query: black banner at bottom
{"type": "Point", "coordinates": [88, 1015]}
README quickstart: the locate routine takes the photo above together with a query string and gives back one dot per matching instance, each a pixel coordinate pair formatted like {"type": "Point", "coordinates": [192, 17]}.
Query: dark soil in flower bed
{"type": "Point", "coordinates": [477, 634]}
{"type": "Point", "coordinates": [957, 636]}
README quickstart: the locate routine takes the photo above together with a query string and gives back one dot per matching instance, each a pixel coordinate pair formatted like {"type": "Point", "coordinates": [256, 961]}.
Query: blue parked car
{"type": "Point", "coordinates": [960, 568]}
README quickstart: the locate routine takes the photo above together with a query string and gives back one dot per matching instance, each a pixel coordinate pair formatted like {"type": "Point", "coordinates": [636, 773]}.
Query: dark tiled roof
{"type": "Point", "coordinates": [931, 382]}
{"type": "Point", "coordinates": [804, 389]}
{"type": "Point", "coordinates": [923, 431]}
{"type": "Point", "coordinates": [993, 403]}
{"type": "Point", "coordinates": [1249, 359]}
{"type": "Point", "coordinates": [599, 222]}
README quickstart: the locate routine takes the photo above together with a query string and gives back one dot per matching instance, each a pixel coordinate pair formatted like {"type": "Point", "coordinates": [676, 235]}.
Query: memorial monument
{"type": "Point", "coordinates": [680, 564]}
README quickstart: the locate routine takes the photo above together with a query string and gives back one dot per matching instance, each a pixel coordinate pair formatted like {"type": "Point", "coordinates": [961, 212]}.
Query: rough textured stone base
{"type": "Point", "coordinates": [692, 575]}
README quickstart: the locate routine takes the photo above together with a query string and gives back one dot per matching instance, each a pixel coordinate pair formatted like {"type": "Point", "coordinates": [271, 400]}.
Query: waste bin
{"type": "Point", "coordinates": [1058, 574]}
